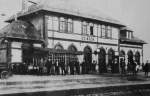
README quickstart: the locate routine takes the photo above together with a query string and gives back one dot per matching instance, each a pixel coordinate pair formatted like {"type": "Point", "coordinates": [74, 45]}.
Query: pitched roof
{"type": "Point", "coordinates": [70, 9]}
{"type": "Point", "coordinates": [127, 28]}
{"type": "Point", "coordinates": [20, 29]}
{"type": "Point", "coordinates": [133, 40]}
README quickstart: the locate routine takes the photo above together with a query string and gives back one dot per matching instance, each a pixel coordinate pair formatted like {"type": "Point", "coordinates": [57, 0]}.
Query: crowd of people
{"type": "Point", "coordinates": [55, 68]}
{"type": "Point", "coordinates": [74, 67]}
{"type": "Point", "coordinates": [133, 67]}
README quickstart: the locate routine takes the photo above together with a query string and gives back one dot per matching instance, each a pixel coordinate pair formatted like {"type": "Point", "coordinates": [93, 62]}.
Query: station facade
{"type": "Point", "coordinates": [42, 32]}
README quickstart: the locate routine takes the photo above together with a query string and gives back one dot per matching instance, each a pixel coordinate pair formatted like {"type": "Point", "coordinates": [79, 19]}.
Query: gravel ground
{"type": "Point", "coordinates": [30, 83]}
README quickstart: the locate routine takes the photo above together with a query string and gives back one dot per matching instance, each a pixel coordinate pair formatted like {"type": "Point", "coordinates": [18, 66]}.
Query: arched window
{"type": "Point", "coordinates": [122, 53]}
{"type": "Point", "coordinates": [130, 57]}
{"type": "Point", "coordinates": [130, 54]}
{"type": "Point", "coordinates": [72, 48]}
{"type": "Point", "coordinates": [72, 57]}
{"type": "Point", "coordinates": [137, 57]}
{"type": "Point", "coordinates": [111, 54]}
{"type": "Point", "coordinates": [58, 47]}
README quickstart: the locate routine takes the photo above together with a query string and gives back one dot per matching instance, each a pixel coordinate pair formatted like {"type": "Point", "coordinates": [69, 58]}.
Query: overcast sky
{"type": "Point", "coordinates": [134, 13]}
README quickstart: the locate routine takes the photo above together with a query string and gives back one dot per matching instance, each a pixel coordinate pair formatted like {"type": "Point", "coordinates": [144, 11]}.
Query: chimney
{"type": "Point", "coordinates": [24, 4]}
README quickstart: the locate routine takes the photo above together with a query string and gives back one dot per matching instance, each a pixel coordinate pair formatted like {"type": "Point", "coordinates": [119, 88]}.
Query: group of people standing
{"type": "Point", "coordinates": [49, 67]}
{"type": "Point", "coordinates": [72, 67]}
{"type": "Point", "coordinates": [61, 68]}
{"type": "Point", "coordinates": [133, 67]}
{"type": "Point", "coordinates": [58, 67]}
{"type": "Point", "coordinates": [146, 68]}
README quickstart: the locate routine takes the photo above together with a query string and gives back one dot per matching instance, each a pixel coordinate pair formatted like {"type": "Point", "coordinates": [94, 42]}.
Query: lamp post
{"type": "Point", "coordinates": [7, 50]}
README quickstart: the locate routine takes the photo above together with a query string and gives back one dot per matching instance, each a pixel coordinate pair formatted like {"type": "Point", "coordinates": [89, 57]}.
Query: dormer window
{"type": "Point", "coordinates": [126, 33]}
{"type": "Point", "coordinates": [129, 35]}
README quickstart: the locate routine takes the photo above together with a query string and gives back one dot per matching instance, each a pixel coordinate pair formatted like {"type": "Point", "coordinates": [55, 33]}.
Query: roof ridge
{"type": "Point", "coordinates": [81, 12]}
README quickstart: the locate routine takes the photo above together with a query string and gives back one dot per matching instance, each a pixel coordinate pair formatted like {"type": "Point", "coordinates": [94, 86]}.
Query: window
{"type": "Point", "coordinates": [103, 34]}
{"type": "Point", "coordinates": [63, 25]}
{"type": "Point", "coordinates": [53, 23]}
{"type": "Point", "coordinates": [99, 31]}
{"type": "Point", "coordinates": [66, 25]}
{"type": "Point", "coordinates": [95, 29]}
{"type": "Point", "coordinates": [91, 30]}
{"type": "Point", "coordinates": [84, 28]}
{"type": "Point", "coordinates": [109, 32]}
{"type": "Point", "coordinates": [129, 35]}
{"type": "Point", "coordinates": [70, 26]}
{"type": "Point", "coordinates": [50, 23]}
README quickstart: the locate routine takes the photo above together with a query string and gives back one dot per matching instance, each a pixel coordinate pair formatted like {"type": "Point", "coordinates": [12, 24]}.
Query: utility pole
{"type": "Point", "coordinates": [119, 52]}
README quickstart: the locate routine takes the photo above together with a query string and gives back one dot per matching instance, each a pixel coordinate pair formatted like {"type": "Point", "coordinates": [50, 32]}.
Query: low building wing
{"type": "Point", "coordinates": [20, 29]}
{"type": "Point", "coordinates": [133, 40]}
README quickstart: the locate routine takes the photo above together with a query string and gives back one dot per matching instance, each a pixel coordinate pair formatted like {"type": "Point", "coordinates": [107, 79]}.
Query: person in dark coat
{"type": "Point", "coordinates": [53, 68]}
{"type": "Point", "coordinates": [122, 65]}
{"type": "Point", "coordinates": [57, 67]}
{"type": "Point", "coordinates": [94, 66]}
{"type": "Point", "coordinates": [83, 67]}
{"type": "Point", "coordinates": [146, 68]}
{"type": "Point", "coordinates": [134, 67]}
{"type": "Point", "coordinates": [71, 67]}
{"type": "Point", "coordinates": [62, 65]}
{"type": "Point", "coordinates": [77, 66]}
{"type": "Point", "coordinates": [48, 66]}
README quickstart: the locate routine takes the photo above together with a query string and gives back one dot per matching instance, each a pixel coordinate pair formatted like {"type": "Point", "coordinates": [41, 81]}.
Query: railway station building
{"type": "Point", "coordinates": [62, 34]}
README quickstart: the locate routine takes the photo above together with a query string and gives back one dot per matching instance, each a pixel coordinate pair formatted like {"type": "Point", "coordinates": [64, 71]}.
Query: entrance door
{"type": "Point", "coordinates": [34, 58]}
{"type": "Point", "coordinates": [137, 58]}
{"type": "Point", "coordinates": [102, 61]}
{"type": "Point", "coordinates": [87, 59]}
{"type": "Point", "coordinates": [130, 57]}
{"type": "Point", "coordinates": [111, 60]}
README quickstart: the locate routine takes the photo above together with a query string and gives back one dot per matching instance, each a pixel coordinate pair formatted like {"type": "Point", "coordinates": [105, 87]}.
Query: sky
{"type": "Point", "coordinates": [134, 13]}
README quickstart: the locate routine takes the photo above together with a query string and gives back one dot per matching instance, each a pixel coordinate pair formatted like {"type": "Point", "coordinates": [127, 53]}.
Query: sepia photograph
{"type": "Point", "coordinates": [74, 48]}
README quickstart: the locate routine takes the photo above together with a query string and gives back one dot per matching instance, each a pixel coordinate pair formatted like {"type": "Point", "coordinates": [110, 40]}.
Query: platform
{"type": "Point", "coordinates": [18, 84]}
